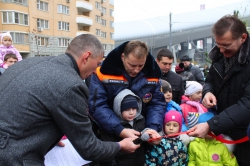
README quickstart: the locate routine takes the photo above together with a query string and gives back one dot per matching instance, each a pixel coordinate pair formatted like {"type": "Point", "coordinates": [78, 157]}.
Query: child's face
{"type": "Point", "coordinates": [6, 41]}
{"type": "Point", "coordinates": [171, 127]}
{"type": "Point", "coordinates": [10, 61]}
{"type": "Point", "coordinates": [196, 96]}
{"type": "Point", "coordinates": [129, 114]}
{"type": "Point", "coordinates": [168, 96]}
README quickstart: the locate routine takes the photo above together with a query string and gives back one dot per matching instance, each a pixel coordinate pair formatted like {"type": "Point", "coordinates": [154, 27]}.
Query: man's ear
{"type": "Point", "coordinates": [85, 57]}
{"type": "Point", "coordinates": [244, 37]}
{"type": "Point", "coordinates": [122, 56]}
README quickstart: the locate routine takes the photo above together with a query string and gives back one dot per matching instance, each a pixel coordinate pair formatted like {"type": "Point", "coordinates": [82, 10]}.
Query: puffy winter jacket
{"type": "Point", "coordinates": [111, 78]}
{"type": "Point", "coordinates": [205, 152]}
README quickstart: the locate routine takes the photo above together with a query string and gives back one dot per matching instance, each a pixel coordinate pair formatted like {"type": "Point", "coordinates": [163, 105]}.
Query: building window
{"type": "Point", "coordinates": [63, 25]}
{"type": "Point", "coordinates": [111, 35]}
{"type": "Point", "coordinates": [63, 9]}
{"type": "Point", "coordinates": [42, 41]}
{"type": "Point", "coordinates": [104, 46]}
{"type": "Point", "coordinates": [23, 2]}
{"type": "Point", "coordinates": [112, 12]}
{"type": "Point", "coordinates": [98, 19]}
{"type": "Point", "coordinates": [98, 32]}
{"type": "Point", "coordinates": [43, 23]}
{"type": "Point", "coordinates": [103, 34]}
{"type": "Point", "coordinates": [42, 5]}
{"type": "Point", "coordinates": [103, 22]}
{"type": "Point", "coordinates": [15, 18]}
{"type": "Point", "coordinates": [112, 24]}
{"type": "Point", "coordinates": [62, 42]}
{"type": "Point", "coordinates": [98, 6]}
{"type": "Point", "coordinates": [111, 2]}
{"type": "Point", "coordinates": [103, 10]}
{"type": "Point", "coordinates": [19, 37]}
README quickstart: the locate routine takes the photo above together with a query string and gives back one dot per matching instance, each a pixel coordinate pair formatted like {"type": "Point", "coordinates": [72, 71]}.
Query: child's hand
{"type": "Point", "coordinates": [155, 135]}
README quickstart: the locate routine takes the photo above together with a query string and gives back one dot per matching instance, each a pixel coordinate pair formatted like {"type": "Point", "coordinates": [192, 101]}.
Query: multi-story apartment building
{"type": "Point", "coordinates": [46, 27]}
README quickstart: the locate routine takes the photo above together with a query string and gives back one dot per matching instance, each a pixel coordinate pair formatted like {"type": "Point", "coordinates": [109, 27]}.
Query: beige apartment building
{"type": "Point", "coordinates": [46, 27]}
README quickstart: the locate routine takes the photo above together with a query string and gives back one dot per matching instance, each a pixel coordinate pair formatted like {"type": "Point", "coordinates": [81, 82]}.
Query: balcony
{"type": "Point", "coordinates": [84, 21]}
{"type": "Point", "coordinates": [83, 6]}
{"type": "Point", "coordinates": [82, 32]}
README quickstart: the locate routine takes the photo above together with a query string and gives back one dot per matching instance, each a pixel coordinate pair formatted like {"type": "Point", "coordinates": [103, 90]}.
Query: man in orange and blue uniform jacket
{"type": "Point", "coordinates": [116, 74]}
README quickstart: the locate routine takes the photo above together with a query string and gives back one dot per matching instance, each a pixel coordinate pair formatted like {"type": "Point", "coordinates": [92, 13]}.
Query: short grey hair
{"type": "Point", "coordinates": [83, 43]}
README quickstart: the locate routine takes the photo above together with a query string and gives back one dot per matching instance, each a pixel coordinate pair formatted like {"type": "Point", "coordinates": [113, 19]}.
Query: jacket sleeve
{"type": "Point", "coordinates": [70, 113]}
{"type": "Point", "coordinates": [155, 110]}
{"type": "Point", "coordinates": [229, 118]}
{"type": "Point", "coordinates": [18, 55]}
{"type": "Point", "coordinates": [99, 108]}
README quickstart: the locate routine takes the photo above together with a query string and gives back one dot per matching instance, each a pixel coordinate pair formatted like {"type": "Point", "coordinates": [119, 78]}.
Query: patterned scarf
{"type": "Point", "coordinates": [228, 62]}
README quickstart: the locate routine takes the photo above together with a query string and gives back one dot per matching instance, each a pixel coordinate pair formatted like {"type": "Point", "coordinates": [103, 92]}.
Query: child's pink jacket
{"type": "Point", "coordinates": [10, 50]}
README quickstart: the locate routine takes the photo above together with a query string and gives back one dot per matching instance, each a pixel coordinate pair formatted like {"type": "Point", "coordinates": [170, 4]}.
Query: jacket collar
{"type": "Point", "coordinates": [74, 63]}
{"type": "Point", "coordinates": [113, 64]}
{"type": "Point", "coordinates": [215, 53]}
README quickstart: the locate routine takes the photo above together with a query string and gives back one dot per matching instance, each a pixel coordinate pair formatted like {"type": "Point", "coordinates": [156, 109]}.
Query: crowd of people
{"type": "Point", "coordinates": [144, 114]}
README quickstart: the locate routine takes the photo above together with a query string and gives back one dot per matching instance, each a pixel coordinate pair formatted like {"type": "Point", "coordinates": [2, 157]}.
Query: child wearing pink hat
{"type": "Point", "coordinates": [170, 151]}
{"type": "Point", "coordinates": [6, 47]}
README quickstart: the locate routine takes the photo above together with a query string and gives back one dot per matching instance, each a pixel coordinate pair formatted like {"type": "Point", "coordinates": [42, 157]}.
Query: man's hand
{"type": "Point", "coordinates": [155, 135]}
{"type": "Point", "coordinates": [129, 133]}
{"type": "Point", "coordinates": [61, 144]}
{"type": "Point", "coordinates": [127, 145]}
{"type": "Point", "coordinates": [199, 130]}
{"type": "Point", "coordinates": [209, 100]}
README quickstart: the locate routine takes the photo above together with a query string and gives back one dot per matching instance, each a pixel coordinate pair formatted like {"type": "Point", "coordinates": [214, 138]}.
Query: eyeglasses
{"type": "Point", "coordinates": [226, 47]}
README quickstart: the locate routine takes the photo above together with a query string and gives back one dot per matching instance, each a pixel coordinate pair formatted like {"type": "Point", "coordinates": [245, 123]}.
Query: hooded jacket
{"type": "Point", "coordinates": [111, 78]}
{"type": "Point", "coordinates": [123, 159]}
{"type": "Point", "coordinates": [210, 153]}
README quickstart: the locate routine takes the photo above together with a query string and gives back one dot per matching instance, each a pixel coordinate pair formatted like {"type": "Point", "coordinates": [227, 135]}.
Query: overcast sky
{"type": "Point", "coordinates": [127, 10]}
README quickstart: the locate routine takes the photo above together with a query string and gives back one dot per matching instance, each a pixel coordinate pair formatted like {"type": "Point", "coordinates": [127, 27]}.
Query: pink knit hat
{"type": "Point", "coordinates": [5, 34]}
{"type": "Point", "coordinates": [173, 115]}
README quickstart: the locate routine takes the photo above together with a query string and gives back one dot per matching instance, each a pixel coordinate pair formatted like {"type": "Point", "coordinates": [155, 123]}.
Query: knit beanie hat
{"type": "Point", "coordinates": [192, 119]}
{"type": "Point", "coordinates": [173, 115]}
{"type": "Point", "coordinates": [192, 87]}
{"type": "Point", "coordinates": [179, 68]}
{"type": "Point", "coordinates": [5, 34]}
{"type": "Point", "coordinates": [165, 86]}
{"type": "Point", "coordinates": [129, 102]}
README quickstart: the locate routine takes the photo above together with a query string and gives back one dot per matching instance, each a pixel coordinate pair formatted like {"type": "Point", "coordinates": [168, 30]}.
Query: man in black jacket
{"type": "Point", "coordinates": [165, 60]}
{"type": "Point", "coordinates": [228, 85]}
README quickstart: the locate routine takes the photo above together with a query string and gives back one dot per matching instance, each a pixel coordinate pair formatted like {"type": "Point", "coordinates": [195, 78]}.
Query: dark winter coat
{"type": "Point", "coordinates": [232, 92]}
{"type": "Point", "coordinates": [197, 73]}
{"type": "Point", "coordinates": [176, 82]}
{"type": "Point", "coordinates": [102, 92]}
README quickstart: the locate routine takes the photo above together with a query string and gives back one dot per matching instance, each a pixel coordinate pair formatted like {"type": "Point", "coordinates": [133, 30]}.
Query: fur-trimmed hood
{"type": "Point", "coordinates": [113, 64]}
{"type": "Point", "coordinates": [243, 55]}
